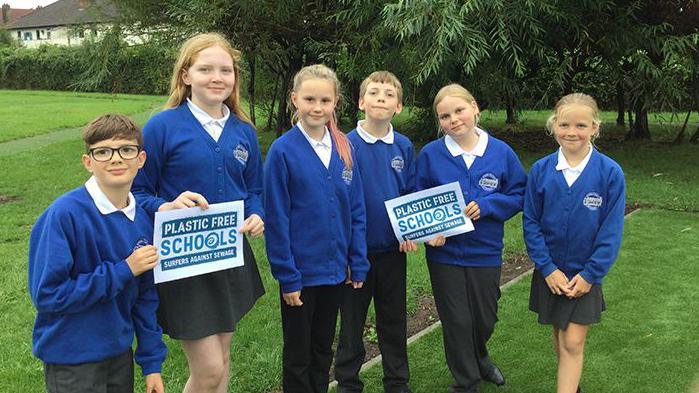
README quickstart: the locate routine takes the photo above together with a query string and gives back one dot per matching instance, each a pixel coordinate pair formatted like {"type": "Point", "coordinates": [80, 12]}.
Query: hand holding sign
{"type": "Point", "coordinates": [185, 200]}
{"type": "Point", "coordinates": [142, 260]}
{"type": "Point", "coordinates": [427, 214]}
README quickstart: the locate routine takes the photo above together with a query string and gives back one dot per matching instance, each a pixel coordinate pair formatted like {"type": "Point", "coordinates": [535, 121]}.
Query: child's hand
{"type": "Point", "coordinates": [437, 241]}
{"type": "Point", "coordinates": [472, 211]}
{"type": "Point", "coordinates": [293, 298]}
{"type": "Point", "coordinates": [357, 284]}
{"type": "Point", "coordinates": [407, 246]}
{"type": "Point", "coordinates": [557, 282]}
{"type": "Point", "coordinates": [254, 225]}
{"type": "Point", "coordinates": [577, 287]}
{"type": "Point", "coordinates": [142, 260]}
{"type": "Point", "coordinates": [154, 383]}
{"type": "Point", "coordinates": [185, 200]}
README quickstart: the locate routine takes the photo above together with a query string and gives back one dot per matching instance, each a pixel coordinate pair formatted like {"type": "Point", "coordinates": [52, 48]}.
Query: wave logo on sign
{"type": "Point", "coordinates": [347, 175]}
{"type": "Point", "coordinates": [241, 154]}
{"type": "Point", "coordinates": [592, 201]}
{"type": "Point", "coordinates": [488, 182]}
{"type": "Point", "coordinates": [397, 163]}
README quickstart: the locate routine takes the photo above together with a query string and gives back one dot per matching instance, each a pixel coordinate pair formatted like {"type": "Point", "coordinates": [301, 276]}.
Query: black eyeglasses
{"type": "Point", "coordinates": [126, 152]}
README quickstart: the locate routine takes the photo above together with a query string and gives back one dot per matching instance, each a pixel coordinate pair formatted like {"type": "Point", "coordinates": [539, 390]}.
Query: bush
{"type": "Point", "coordinates": [139, 69]}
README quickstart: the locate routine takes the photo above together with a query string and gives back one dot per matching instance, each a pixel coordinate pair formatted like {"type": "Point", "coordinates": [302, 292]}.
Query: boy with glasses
{"type": "Point", "coordinates": [90, 273]}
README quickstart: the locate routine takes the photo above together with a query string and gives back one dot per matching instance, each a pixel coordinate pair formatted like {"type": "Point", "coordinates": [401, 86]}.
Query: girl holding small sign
{"type": "Point", "coordinates": [316, 237]}
{"type": "Point", "coordinates": [573, 221]}
{"type": "Point", "coordinates": [465, 269]}
{"type": "Point", "coordinates": [203, 149]}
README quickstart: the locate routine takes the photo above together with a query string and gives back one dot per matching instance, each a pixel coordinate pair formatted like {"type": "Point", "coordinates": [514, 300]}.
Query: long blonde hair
{"type": "Point", "coordinates": [321, 71]}
{"type": "Point", "coordinates": [575, 99]}
{"type": "Point", "coordinates": [179, 91]}
{"type": "Point", "coordinates": [454, 90]}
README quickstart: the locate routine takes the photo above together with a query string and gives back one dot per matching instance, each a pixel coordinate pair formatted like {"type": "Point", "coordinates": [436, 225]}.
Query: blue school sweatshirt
{"type": "Point", "coordinates": [183, 156]}
{"type": "Point", "coordinates": [89, 304]}
{"type": "Point", "coordinates": [495, 181]}
{"type": "Point", "coordinates": [575, 229]}
{"type": "Point", "coordinates": [388, 171]}
{"type": "Point", "coordinates": [316, 222]}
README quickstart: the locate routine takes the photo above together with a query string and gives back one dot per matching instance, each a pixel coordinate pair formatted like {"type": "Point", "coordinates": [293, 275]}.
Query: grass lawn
{"type": "Point", "coordinates": [659, 176]}
{"type": "Point", "coordinates": [27, 113]}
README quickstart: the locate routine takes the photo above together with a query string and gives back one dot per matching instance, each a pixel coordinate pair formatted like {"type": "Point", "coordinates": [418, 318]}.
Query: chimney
{"type": "Point", "coordinates": [5, 14]}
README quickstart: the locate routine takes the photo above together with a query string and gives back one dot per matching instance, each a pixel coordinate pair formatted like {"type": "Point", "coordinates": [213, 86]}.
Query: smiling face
{"type": "Point", "coordinates": [457, 116]}
{"type": "Point", "coordinates": [573, 128]}
{"type": "Point", "coordinates": [315, 101]}
{"type": "Point", "coordinates": [380, 102]}
{"type": "Point", "coordinates": [116, 173]}
{"type": "Point", "coordinates": [211, 78]}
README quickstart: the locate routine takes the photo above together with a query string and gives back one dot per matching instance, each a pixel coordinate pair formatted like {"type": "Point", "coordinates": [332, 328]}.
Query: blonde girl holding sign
{"type": "Point", "coordinates": [465, 269]}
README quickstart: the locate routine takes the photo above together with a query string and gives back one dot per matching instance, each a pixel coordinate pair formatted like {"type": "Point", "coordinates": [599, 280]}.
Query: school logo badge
{"type": "Point", "coordinates": [241, 154]}
{"type": "Point", "coordinates": [142, 242]}
{"type": "Point", "coordinates": [397, 163]}
{"type": "Point", "coordinates": [347, 175]}
{"type": "Point", "coordinates": [592, 201]}
{"type": "Point", "coordinates": [488, 182]}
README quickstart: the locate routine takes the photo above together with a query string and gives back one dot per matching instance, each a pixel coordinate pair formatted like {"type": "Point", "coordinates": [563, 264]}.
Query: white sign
{"type": "Point", "coordinates": [193, 241]}
{"type": "Point", "coordinates": [423, 215]}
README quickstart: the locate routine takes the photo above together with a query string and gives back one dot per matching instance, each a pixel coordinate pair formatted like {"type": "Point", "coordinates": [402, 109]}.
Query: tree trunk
{"type": "Point", "coordinates": [620, 103]}
{"type": "Point", "coordinates": [640, 127]}
{"type": "Point", "coordinates": [680, 137]}
{"type": "Point", "coordinates": [268, 127]}
{"type": "Point", "coordinates": [511, 111]}
{"type": "Point", "coordinates": [695, 137]}
{"type": "Point", "coordinates": [630, 113]}
{"type": "Point", "coordinates": [251, 87]}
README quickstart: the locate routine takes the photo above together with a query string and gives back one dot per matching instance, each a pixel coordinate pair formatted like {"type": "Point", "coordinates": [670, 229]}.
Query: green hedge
{"type": "Point", "coordinates": [138, 69]}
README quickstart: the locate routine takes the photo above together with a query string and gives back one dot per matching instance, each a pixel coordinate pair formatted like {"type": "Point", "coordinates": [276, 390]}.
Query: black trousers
{"type": "Point", "coordinates": [309, 331]}
{"type": "Point", "coordinates": [467, 304]}
{"type": "Point", "coordinates": [386, 284]}
{"type": "Point", "coordinates": [113, 375]}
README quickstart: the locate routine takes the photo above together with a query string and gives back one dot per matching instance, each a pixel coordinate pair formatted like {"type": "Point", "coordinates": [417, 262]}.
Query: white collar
{"type": "Point", "coordinates": [325, 142]}
{"type": "Point", "coordinates": [205, 118]}
{"type": "Point", "coordinates": [368, 138]}
{"type": "Point", "coordinates": [563, 163]}
{"type": "Point", "coordinates": [104, 205]}
{"type": "Point", "coordinates": [478, 150]}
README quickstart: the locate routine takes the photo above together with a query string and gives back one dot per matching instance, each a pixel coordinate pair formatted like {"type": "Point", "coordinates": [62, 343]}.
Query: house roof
{"type": "Point", "coordinates": [16, 13]}
{"type": "Point", "coordinates": [67, 12]}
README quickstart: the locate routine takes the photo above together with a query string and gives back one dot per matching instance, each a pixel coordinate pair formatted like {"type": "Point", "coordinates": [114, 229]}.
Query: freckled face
{"type": "Point", "coordinates": [574, 127]}
{"type": "Point", "coordinates": [457, 116]}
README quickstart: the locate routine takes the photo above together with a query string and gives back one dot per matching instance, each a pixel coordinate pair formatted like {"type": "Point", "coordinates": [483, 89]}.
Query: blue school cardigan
{"type": "Point", "coordinates": [388, 171]}
{"type": "Point", "coordinates": [575, 229]}
{"type": "Point", "coordinates": [316, 222]}
{"type": "Point", "coordinates": [182, 156]}
{"type": "Point", "coordinates": [495, 181]}
{"type": "Point", "coordinates": [89, 304]}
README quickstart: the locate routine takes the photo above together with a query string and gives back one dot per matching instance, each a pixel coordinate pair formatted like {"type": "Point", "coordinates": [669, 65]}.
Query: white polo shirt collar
{"type": "Point", "coordinates": [370, 139]}
{"type": "Point", "coordinates": [468, 156]}
{"type": "Point", "coordinates": [213, 127]}
{"type": "Point", "coordinates": [323, 148]}
{"type": "Point", "coordinates": [104, 205]}
{"type": "Point", "coordinates": [571, 174]}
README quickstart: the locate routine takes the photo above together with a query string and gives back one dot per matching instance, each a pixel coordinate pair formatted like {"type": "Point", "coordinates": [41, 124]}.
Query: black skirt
{"type": "Point", "coordinates": [200, 306]}
{"type": "Point", "coordinates": [559, 310]}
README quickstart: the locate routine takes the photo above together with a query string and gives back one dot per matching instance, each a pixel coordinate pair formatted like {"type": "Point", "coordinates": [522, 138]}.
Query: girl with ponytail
{"type": "Point", "coordinates": [316, 227]}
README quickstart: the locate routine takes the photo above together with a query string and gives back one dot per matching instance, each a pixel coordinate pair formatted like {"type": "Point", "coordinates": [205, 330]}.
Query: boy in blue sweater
{"type": "Point", "coordinates": [90, 273]}
{"type": "Point", "coordinates": [387, 168]}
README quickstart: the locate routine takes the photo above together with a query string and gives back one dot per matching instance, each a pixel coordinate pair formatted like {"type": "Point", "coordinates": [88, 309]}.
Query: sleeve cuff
{"type": "Point", "coordinates": [483, 205]}
{"type": "Point", "coordinates": [586, 275]}
{"type": "Point", "coordinates": [547, 269]}
{"type": "Point", "coordinates": [124, 272]}
{"type": "Point", "coordinates": [291, 286]}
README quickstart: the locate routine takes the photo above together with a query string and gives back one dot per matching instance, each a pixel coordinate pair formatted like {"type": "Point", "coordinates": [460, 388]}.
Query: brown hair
{"type": "Point", "coordinates": [575, 99]}
{"type": "Point", "coordinates": [382, 77]}
{"type": "Point", "coordinates": [321, 71]}
{"type": "Point", "coordinates": [111, 126]}
{"type": "Point", "coordinates": [179, 91]}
